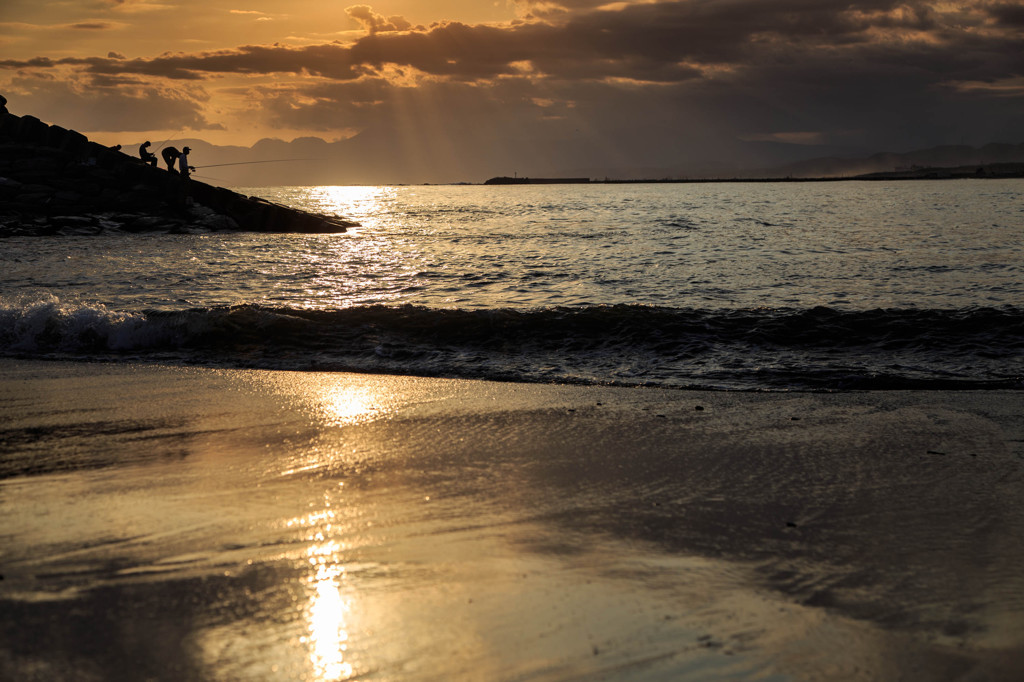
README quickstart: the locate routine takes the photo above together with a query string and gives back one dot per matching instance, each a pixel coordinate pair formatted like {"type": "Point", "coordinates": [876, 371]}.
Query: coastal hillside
{"type": "Point", "coordinates": [56, 181]}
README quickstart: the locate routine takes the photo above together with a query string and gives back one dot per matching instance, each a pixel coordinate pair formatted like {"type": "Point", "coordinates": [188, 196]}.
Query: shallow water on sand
{"type": "Point", "coordinates": [268, 525]}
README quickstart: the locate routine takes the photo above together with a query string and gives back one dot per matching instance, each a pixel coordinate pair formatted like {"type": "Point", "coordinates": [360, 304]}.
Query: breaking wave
{"type": "Point", "coordinates": [795, 349]}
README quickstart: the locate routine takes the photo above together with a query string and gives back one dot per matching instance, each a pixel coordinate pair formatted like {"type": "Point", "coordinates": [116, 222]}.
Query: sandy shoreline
{"type": "Point", "coordinates": [170, 523]}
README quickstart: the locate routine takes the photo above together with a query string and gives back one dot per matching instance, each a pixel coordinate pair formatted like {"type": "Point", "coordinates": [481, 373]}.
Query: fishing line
{"type": "Point", "coordinates": [207, 177]}
{"type": "Point", "coordinates": [245, 163]}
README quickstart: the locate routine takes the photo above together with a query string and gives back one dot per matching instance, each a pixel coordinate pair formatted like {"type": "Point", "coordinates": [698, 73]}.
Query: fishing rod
{"type": "Point", "coordinates": [170, 138]}
{"type": "Point", "coordinates": [245, 163]}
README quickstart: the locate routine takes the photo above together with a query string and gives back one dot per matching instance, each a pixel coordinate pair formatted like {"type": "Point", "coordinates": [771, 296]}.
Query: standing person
{"type": "Point", "coordinates": [146, 155]}
{"type": "Point", "coordinates": [183, 166]}
{"type": "Point", "coordinates": [170, 155]}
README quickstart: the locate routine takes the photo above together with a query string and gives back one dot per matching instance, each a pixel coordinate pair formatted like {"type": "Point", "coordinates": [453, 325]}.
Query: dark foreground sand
{"type": "Point", "coordinates": [190, 524]}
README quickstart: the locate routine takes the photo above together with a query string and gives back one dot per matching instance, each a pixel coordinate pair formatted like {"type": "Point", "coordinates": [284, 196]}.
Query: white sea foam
{"type": "Point", "coordinates": [47, 323]}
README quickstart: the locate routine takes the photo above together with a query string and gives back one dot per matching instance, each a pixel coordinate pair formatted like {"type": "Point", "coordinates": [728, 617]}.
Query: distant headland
{"type": "Point", "coordinates": [55, 181]}
{"type": "Point", "coordinates": [991, 170]}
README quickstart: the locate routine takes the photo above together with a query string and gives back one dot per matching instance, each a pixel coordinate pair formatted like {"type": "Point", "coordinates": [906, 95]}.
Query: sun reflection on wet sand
{"type": "Point", "coordinates": [348, 404]}
{"type": "Point", "coordinates": [327, 615]}
{"type": "Point", "coordinates": [469, 530]}
{"type": "Point", "coordinates": [326, 609]}
{"type": "Point", "coordinates": [341, 399]}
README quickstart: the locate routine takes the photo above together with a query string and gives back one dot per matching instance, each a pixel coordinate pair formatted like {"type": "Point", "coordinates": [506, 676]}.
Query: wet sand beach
{"type": "Point", "coordinates": [177, 523]}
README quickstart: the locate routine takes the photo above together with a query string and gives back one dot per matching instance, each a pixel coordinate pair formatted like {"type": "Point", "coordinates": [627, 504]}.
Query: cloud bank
{"type": "Point", "coordinates": [635, 84]}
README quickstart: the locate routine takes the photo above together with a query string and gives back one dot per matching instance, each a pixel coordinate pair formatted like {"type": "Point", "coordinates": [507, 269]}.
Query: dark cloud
{"type": "Point", "coordinates": [330, 61]}
{"type": "Point", "coordinates": [115, 104]}
{"type": "Point", "coordinates": [627, 83]}
{"type": "Point", "coordinates": [658, 42]}
{"type": "Point", "coordinates": [104, 81]}
{"type": "Point", "coordinates": [1008, 14]}
{"type": "Point", "coordinates": [92, 26]}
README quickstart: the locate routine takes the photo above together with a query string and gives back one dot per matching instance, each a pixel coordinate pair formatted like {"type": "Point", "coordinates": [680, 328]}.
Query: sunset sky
{"type": "Point", "coordinates": [452, 89]}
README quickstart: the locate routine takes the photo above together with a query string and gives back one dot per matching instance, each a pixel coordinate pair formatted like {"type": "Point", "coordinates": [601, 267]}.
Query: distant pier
{"type": "Point", "coordinates": [505, 180]}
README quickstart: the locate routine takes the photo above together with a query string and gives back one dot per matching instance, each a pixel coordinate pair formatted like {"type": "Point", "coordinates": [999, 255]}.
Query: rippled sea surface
{"type": "Point", "coordinates": [745, 285]}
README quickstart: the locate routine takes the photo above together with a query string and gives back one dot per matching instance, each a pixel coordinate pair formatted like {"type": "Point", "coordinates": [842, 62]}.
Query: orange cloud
{"type": "Point", "coordinates": [657, 42]}
{"type": "Point", "coordinates": [789, 72]}
{"type": "Point", "coordinates": [377, 23]}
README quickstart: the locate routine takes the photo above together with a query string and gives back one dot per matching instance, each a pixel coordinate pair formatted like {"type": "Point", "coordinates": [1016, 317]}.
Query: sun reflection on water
{"type": "Point", "coordinates": [362, 204]}
{"type": "Point", "coordinates": [383, 261]}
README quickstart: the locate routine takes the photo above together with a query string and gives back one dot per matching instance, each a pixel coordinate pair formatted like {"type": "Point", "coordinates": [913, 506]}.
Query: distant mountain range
{"type": "Point", "coordinates": [904, 164]}
{"type": "Point", "coordinates": [946, 156]}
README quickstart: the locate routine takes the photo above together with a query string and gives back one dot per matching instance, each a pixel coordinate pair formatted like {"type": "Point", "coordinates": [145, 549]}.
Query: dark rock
{"type": "Point", "coordinates": [66, 196]}
{"type": "Point", "coordinates": [73, 220]}
{"type": "Point", "coordinates": [8, 125]}
{"type": "Point", "coordinates": [153, 223]}
{"type": "Point", "coordinates": [34, 188]}
{"type": "Point", "coordinates": [55, 136]}
{"type": "Point", "coordinates": [9, 189]}
{"type": "Point", "coordinates": [32, 130]}
{"type": "Point", "coordinates": [74, 142]}
{"type": "Point", "coordinates": [106, 224]}
{"type": "Point", "coordinates": [218, 223]}
{"type": "Point", "coordinates": [48, 172]}
{"type": "Point", "coordinates": [78, 225]}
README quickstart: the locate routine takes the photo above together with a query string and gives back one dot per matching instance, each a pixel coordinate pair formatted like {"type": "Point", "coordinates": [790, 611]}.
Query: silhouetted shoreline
{"type": "Point", "coordinates": [56, 181]}
{"type": "Point", "coordinates": [981, 172]}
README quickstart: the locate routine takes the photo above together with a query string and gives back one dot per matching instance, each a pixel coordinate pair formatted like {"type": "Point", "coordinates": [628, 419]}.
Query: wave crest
{"type": "Point", "coordinates": [761, 348]}
{"type": "Point", "coordinates": [46, 324]}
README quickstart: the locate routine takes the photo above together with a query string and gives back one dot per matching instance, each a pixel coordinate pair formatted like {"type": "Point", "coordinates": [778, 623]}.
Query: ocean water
{"type": "Point", "coordinates": [748, 286]}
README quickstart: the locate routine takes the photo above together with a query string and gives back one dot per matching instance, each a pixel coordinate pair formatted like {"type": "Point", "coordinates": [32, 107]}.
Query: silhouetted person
{"type": "Point", "coordinates": [3, 105]}
{"type": "Point", "coordinates": [146, 155]}
{"type": "Point", "coordinates": [183, 166]}
{"type": "Point", "coordinates": [170, 155]}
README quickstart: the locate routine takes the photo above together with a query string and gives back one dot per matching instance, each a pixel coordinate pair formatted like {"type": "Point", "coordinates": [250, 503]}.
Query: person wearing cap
{"type": "Point", "coordinates": [183, 166]}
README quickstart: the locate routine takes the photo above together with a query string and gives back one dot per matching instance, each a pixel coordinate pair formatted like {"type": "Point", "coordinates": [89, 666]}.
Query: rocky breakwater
{"type": "Point", "coordinates": [55, 181]}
